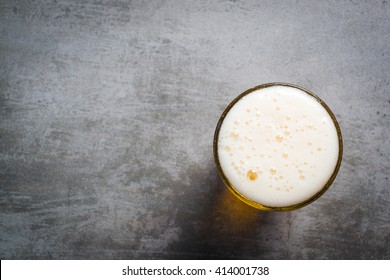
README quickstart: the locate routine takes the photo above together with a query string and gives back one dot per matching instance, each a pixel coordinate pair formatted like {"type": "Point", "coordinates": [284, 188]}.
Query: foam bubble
{"type": "Point", "coordinates": [234, 135]}
{"type": "Point", "coordinates": [252, 174]}
{"type": "Point", "coordinates": [279, 138]}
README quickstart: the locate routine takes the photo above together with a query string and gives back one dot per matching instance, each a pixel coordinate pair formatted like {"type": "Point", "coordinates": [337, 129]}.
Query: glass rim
{"type": "Point", "coordinates": [257, 204]}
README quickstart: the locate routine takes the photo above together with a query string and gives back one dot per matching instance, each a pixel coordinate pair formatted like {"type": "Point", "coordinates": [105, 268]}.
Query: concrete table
{"type": "Point", "coordinates": [108, 110]}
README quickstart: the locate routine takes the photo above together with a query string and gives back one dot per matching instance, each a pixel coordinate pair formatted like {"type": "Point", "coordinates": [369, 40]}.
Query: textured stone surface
{"type": "Point", "coordinates": [107, 114]}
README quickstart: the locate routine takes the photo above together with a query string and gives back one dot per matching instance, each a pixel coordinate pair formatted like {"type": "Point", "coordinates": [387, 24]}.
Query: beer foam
{"type": "Point", "coordinates": [278, 146]}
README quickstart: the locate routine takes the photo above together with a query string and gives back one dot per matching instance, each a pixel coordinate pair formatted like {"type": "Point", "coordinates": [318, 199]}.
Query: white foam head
{"type": "Point", "coordinates": [278, 146]}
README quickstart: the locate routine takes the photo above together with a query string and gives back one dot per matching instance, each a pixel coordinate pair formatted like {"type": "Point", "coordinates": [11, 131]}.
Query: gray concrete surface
{"type": "Point", "coordinates": [107, 114]}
